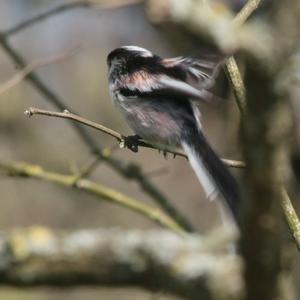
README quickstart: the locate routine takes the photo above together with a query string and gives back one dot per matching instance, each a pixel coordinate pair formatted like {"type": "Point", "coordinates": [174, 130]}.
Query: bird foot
{"type": "Point", "coordinates": [132, 142]}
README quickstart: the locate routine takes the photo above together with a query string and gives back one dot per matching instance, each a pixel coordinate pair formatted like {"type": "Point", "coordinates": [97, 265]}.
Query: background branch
{"type": "Point", "coordinates": [67, 7]}
{"type": "Point", "coordinates": [17, 78]}
{"type": "Point", "coordinates": [192, 267]}
{"type": "Point", "coordinates": [215, 28]}
{"type": "Point", "coordinates": [41, 17]}
{"type": "Point", "coordinates": [101, 192]}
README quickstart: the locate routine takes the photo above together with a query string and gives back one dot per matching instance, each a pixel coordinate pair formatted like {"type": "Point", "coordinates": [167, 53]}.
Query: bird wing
{"type": "Point", "coordinates": [142, 83]}
{"type": "Point", "coordinates": [199, 72]}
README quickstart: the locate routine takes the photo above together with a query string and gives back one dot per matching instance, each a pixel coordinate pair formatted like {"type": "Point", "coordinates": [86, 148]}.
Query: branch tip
{"type": "Point", "coordinates": [122, 144]}
{"type": "Point", "coordinates": [28, 112]}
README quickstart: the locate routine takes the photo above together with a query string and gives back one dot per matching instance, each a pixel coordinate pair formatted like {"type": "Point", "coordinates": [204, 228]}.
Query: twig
{"type": "Point", "coordinates": [89, 167]}
{"type": "Point", "coordinates": [86, 170]}
{"type": "Point", "coordinates": [234, 163]}
{"type": "Point", "coordinates": [246, 12]}
{"type": "Point", "coordinates": [16, 79]}
{"type": "Point", "coordinates": [68, 115]}
{"type": "Point", "coordinates": [108, 4]}
{"type": "Point", "coordinates": [291, 216]}
{"type": "Point", "coordinates": [118, 136]}
{"type": "Point", "coordinates": [100, 191]}
{"type": "Point", "coordinates": [232, 69]}
{"type": "Point", "coordinates": [127, 170]}
{"type": "Point", "coordinates": [237, 83]}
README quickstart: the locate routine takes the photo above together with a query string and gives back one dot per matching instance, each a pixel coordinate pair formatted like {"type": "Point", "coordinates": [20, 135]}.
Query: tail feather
{"type": "Point", "coordinates": [210, 170]}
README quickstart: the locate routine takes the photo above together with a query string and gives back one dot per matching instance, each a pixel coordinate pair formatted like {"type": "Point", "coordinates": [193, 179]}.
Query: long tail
{"type": "Point", "coordinates": [210, 170]}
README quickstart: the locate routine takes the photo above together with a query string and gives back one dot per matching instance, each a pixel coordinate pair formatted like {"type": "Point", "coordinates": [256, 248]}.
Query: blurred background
{"type": "Point", "coordinates": [80, 80]}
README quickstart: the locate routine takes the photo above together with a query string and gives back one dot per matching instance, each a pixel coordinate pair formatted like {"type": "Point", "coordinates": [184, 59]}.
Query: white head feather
{"type": "Point", "coordinates": [144, 52]}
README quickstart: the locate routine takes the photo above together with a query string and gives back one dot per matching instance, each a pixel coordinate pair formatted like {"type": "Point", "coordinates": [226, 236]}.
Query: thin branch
{"type": "Point", "coordinates": [17, 78]}
{"type": "Point", "coordinates": [159, 260]}
{"type": "Point", "coordinates": [127, 170]}
{"type": "Point", "coordinates": [41, 17]}
{"type": "Point", "coordinates": [108, 4]}
{"type": "Point", "coordinates": [68, 115]}
{"type": "Point", "coordinates": [232, 69]}
{"type": "Point", "coordinates": [234, 163]}
{"type": "Point", "coordinates": [118, 136]}
{"type": "Point", "coordinates": [89, 167]}
{"type": "Point", "coordinates": [237, 83]}
{"type": "Point", "coordinates": [101, 192]}
{"type": "Point", "coordinates": [291, 217]}
{"type": "Point", "coordinates": [246, 12]}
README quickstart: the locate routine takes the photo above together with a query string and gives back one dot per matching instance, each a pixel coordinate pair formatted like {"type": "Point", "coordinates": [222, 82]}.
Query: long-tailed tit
{"type": "Point", "coordinates": [157, 97]}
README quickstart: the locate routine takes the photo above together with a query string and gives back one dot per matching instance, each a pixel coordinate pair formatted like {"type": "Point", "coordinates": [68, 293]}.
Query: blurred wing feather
{"type": "Point", "coordinates": [201, 73]}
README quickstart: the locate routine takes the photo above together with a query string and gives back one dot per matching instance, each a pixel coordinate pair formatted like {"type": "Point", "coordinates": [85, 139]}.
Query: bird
{"type": "Point", "coordinates": [158, 98]}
